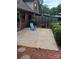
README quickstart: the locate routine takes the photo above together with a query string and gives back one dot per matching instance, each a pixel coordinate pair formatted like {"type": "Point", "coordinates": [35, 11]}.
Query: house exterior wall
{"type": "Point", "coordinates": [27, 8]}
{"type": "Point", "coordinates": [21, 5]}
{"type": "Point", "coordinates": [23, 21]}
{"type": "Point", "coordinates": [36, 6]}
{"type": "Point", "coordinates": [24, 18]}
{"type": "Point", "coordinates": [31, 5]}
{"type": "Point", "coordinates": [18, 20]}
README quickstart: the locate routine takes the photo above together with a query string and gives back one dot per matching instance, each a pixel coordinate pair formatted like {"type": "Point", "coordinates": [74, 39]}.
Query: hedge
{"type": "Point", "coordinates": [56, 28]}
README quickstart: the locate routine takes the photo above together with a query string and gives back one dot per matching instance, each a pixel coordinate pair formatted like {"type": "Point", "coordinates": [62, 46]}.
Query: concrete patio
{"type": "Point", "coordinates": [41, 38]}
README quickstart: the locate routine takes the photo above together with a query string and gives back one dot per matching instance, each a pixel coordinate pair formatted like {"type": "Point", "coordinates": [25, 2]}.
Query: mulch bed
{"type": "Point", "coordinates": [37, 53]}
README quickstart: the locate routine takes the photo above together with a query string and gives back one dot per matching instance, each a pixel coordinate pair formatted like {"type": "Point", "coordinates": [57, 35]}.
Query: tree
{"type": "Point", "coordinates": [59, 8]}
{"type": "Point", "coordinates": [55, 10]}
{"type": "Point", "coordinates": [40, 5]}
{"type": "Point", "coordinates": [41, 1]}
{"type": "Point", "coordinates": [45, 10]}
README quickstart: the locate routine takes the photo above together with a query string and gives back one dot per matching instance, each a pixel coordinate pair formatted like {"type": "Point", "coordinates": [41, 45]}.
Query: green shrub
{"type": "Point", "coordinates": [56, 28]}
{"type": "Point", "coordinates": [33, 20]}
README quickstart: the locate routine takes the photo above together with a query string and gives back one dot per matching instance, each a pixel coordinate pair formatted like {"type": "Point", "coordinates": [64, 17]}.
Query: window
{"type": "Point", "coordinates": [35, 5]}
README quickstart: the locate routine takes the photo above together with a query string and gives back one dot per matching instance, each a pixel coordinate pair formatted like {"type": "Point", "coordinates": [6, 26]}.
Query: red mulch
{"type": "Point", "coordinates": [37, 53]}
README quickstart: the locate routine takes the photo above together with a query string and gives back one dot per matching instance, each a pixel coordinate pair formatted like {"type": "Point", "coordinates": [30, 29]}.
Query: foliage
{"type": "Point", "coordinates": [33, 21]}
{"type": "Point", "coordinates": [57, 32]}
{"type": "Point", "coordinates": [55, 10]}
{"type": "Point", "coordinates": [59, 8]}
{"type": "Point", "coordinates": [41, 2]}
{"type": "Point", "coordinates": [45, 10]}
{"type": "Point", "coordinates": [40, 5]}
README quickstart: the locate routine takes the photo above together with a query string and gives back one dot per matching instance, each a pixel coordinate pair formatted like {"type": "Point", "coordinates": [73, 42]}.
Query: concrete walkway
{"type": "Point", "coordinates": [41, 38]}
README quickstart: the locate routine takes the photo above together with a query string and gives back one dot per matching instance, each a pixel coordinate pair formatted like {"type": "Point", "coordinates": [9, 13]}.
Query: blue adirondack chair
{"type": "Point", "coordinates": [32, 27]}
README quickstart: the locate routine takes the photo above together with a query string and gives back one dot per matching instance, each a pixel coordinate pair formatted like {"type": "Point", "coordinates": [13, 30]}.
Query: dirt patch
{"type": "Point", "coordinates": [37, 53]}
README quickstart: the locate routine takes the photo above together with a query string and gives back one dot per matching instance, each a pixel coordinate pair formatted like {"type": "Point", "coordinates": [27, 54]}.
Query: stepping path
{"type": "Point", "coordinates": [40, 38]}
{"type": "Point", "coordinates": [36, 53]}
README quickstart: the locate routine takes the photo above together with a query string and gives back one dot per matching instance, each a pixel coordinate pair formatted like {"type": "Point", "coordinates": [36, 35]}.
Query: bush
{"type": "Point", "coordinates": [56, 28]}
{"type": "Point", "coordinates": [33, 20]}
